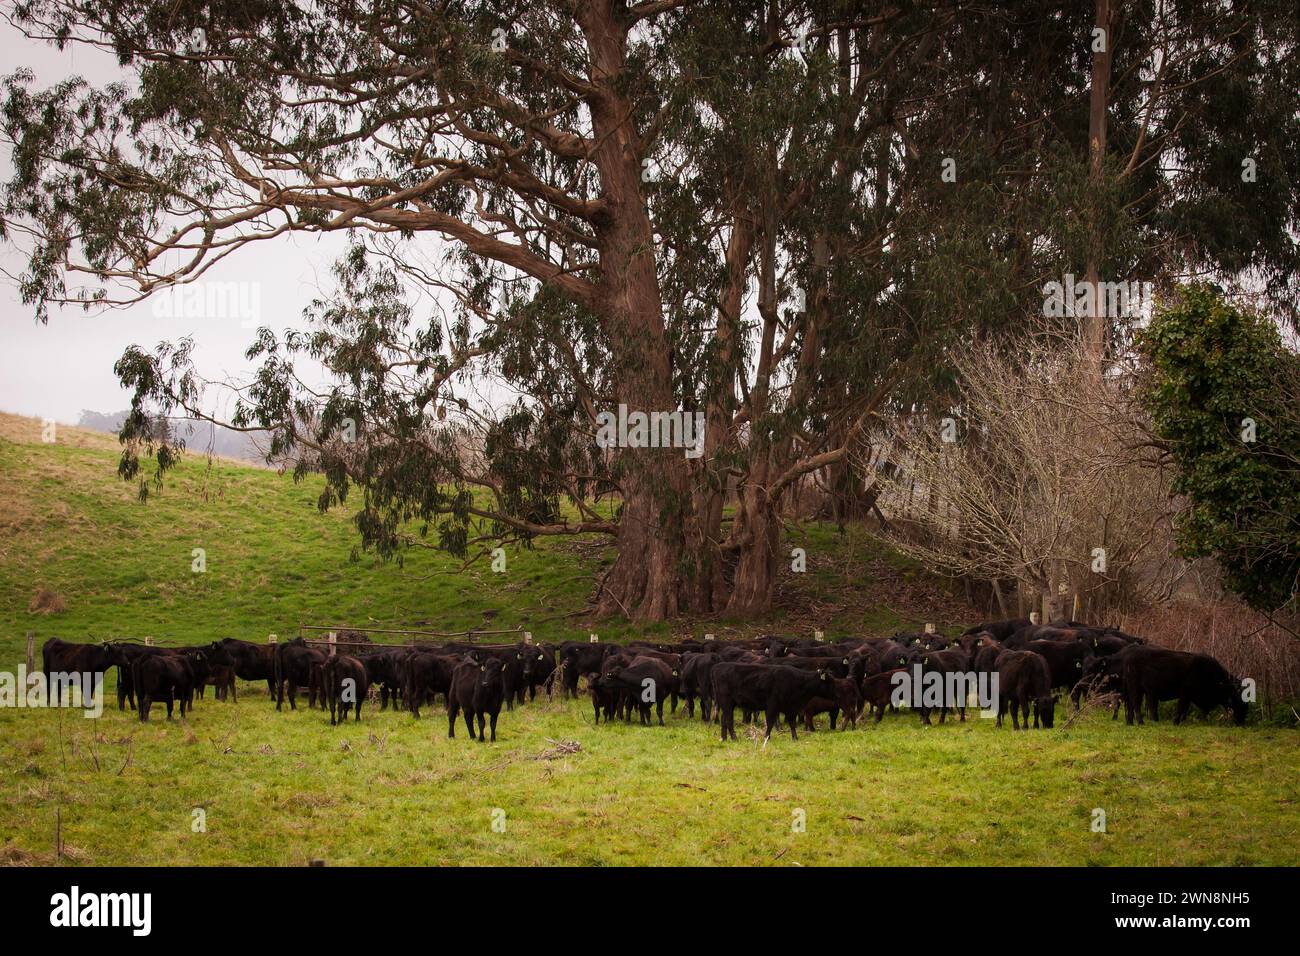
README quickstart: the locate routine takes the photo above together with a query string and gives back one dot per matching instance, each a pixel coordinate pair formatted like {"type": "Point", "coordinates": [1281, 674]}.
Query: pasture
{"type": "Point", "coordinates": [286, 788]}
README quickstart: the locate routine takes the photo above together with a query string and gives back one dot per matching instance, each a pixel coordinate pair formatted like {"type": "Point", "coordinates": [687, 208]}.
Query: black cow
{"type": "Point", "coordinates": [774, 689]}
{"type": "Point", "coordinates": [1066, 660]}
{"type": "Point", "coordinates": [893, 654]}
{"type": "Point", "coordinates": [697, 681]}
{"type": "Point", "coordinates": [252, 661]}
{"type": "Point", "coordinates": [64, 657]}
{"type": "Point", "coordinates": [344, 684]}
{"type": "Point", "coordinates": [604, 698]}
{"type": "Point", "coordinates": [845, 697]}
{"type": "Point", "coordinates": [426, 673]}
{"type": "Point", "coordinates": [878, 691]}
{"type": "Point", "coordinates": [297, 665]}
{"type": "Point", "coordinates": [384, 670]}
{"type": "Point", "coordinates": [999, 630]}
{"type": "Point", "coordinates": [1104, 675]}
{"type": "Point", "coordinates": [944, 662]}
{"type": "Point", "coordinates": [169, 677]}
{"type": "Point", "coordinates": [1156, 674]}
{"type": "Point", "coordinates": [1025, 681]}
{"type": "Point", "coordinates": [576, 659]}
{"type": "Point", "coordinates": [539, 669]}
{"type": "Point", "coordinates": [644, 681]}
{"type": "Point", "coordinates": [477, 689]}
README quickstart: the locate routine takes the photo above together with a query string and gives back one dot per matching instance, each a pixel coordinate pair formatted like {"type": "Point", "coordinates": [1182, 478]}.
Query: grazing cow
{"type": "Point", "coordinates": [1156, 674]}
{"type": "Point", "coordinates": [774, 689]}
{"type": "Point", "coordinates": [169, 677]}
{"type": "Point", "coordinates": [1104, 675]}
{"type": "Point", "coordinates": [477, 689]}
{"type": "Point", "coordinates": [344, 684]}
{"type": "Point", "coordinates": [297, 665]}
{"type": "Point", "coordinates": [1025, 681]}
{"type": "Point", "coordinates": [64, 657]}
{"type": "Point", "coordinates": [426, 673]}
{"type": "Point", "coordinates": [643, 681]}
{"type": "Point", "coordinates": [252, 661]}
{"type": "Point", "coordinates": [846, 697]}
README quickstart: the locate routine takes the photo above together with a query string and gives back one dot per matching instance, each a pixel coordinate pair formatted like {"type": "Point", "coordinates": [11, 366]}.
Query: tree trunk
{"type": "Point", "coordinates": [646, 581]}
{"type": "Point", "coordinates": [756, 571]}
{"type": "Point", "coordinates": [1096, 325]}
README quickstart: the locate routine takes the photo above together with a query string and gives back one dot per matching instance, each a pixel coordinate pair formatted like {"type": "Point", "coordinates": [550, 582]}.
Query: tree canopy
{"type": "Point", "coordinates": [783, 215]}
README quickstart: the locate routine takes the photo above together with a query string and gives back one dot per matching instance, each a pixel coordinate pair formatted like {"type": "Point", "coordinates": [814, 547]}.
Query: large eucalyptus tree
{"type": "Point", "coordinates": [782, 215]}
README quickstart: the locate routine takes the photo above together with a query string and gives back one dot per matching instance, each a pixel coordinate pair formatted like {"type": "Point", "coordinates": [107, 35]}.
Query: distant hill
{"type": "Point", "coordinates": [200, 437]}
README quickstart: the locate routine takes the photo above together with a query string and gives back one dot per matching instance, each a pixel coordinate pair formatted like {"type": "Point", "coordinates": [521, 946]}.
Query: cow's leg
{"type": "Point", "coordinates": [453, 711]}
{"type": "Point", "coordinates": [170, 703]}
{"type": "Point", "coordinates": [469, 722]}
{"type": "Point", "coordinates": [1155, 707]}
{"type": "Point", "coordinates": [494, 725]}
{"type": "Point", "coordinates": [660, 711]}
{"type": "Point", "coordinates": [792, 719]}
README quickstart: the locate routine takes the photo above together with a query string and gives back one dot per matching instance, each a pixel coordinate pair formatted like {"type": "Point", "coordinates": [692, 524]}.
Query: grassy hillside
{"type": "Point", "coordinates": [123, 568]}
{"type": "Point", "coordinates": [288, 788]}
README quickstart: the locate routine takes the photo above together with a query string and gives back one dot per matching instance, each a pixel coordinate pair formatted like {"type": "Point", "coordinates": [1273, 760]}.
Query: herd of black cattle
{"type": "Point", "coordinates": [773, 676]}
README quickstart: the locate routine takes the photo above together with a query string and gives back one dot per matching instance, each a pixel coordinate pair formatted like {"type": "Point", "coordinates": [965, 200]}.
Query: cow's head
{"type": "Point", "coordinates": [489, 672]}
{"type": "Point", "coordinates": [1046, 710]}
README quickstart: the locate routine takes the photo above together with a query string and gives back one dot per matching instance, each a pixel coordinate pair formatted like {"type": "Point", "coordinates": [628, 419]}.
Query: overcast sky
{"type": "Point", "coordinates": [56, 370]}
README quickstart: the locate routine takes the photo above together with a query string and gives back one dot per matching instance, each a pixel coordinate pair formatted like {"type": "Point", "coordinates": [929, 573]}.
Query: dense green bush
{"type": "Point", "coordinates": [1223, 391]}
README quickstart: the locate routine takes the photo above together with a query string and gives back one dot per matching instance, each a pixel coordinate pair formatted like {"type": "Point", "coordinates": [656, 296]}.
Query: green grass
{"type": "Point", "coordinates": [286, 788]}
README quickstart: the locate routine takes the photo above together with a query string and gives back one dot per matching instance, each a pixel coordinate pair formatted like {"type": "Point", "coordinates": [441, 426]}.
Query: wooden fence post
{"type": "Point", "coordinates": [594, 639]}
{"type": "Point", "coordinates": [333, 639]}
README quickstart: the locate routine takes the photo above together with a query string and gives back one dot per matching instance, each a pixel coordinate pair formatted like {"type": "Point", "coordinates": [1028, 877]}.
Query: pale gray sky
{"type": "Point", "coordinates": [56, 370]}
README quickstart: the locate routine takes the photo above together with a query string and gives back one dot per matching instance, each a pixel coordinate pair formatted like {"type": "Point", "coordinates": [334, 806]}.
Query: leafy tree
{"type": "Point", "coordinates": [738, 208]}
{"type": "Point", "coordinates": [1223, 392]}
